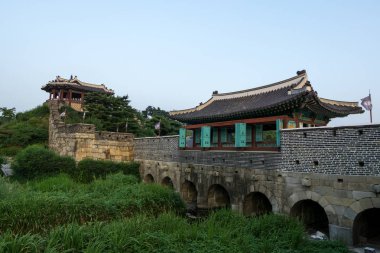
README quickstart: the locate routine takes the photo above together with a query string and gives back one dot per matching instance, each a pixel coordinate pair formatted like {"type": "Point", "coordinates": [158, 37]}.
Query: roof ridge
{"type": "Point", "coordinates": [263, 86]}
{"type": "Point", "coordinates": [337, 102]}
{"type": "Point", "coordinates": [302, 75]}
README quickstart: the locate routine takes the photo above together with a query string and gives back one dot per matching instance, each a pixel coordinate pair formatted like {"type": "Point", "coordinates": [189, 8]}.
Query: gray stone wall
{"type": "Point", "coordinates": [348, 150]}
{"type": "Point", "coordinates": [234, 159]}
{"type": "Point", "coordinates": [164, 148]}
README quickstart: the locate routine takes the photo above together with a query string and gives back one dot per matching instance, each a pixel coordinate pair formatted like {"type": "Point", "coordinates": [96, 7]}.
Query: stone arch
{"type": "Point", "coordinates": [312, 215]}
{"type": "Point", "coordinates": [359, 206]}
{"type": "Point", "coordinates": [218, 197]}
{"type": "Point", "coordinates": [189, 194]}
{"type": "Point", "coordinates": [366, 227]}
{"type": "Point", "coordinates": [268, 193]}
{"type": "Point", "coordinates": [167, 181]}
{"type": "Point", "coordinates": [256, 204]}
{"type": "Point", "coordinates": [149, 179]}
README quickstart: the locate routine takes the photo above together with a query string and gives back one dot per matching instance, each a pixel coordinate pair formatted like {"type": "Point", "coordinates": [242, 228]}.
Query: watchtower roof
{"type": "Point", "coordinates": [75, 84]}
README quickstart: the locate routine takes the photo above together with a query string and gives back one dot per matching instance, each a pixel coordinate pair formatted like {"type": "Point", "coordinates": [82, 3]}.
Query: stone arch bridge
{"type": "Point", "coordinates": [328, 177]}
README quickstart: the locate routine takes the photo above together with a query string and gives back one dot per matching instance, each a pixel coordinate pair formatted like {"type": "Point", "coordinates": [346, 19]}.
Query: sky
{"type": "Point", "coordinates": [173, 54]}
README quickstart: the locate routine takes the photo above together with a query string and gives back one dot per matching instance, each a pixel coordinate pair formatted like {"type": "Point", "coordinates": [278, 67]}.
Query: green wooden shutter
{"type": "Point", "coordinates": [223, 135]}
{"type": "Point", "coordinates": [259, 133]}
{"type": "Point", "coordinates": [182, 138]}
{"type": "Point", "coordinates": [279, 125]}
{"type": "Point", "coordinates": [240, 134]}
{"type": "Point", "coordinates": [205, 136]}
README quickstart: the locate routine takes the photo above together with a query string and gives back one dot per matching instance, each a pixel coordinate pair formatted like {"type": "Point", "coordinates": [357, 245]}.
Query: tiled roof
{"type": "Point", "coordinates": [274, 99]}
{"type": "Point", "coordinates": [75, 84]}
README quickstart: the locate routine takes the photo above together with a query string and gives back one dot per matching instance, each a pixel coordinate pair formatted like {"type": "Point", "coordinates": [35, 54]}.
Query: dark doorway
{"type": "Point", "coordinates": [256, 204]}
{"type": "Point", "coordinates": [218, 197]}
{"type": "Point", "coordinates": [366, 228]}
{"type": "Point", "coordinates": [149, 179]}
{"type": "Point", "coordinates": [312, 215]}
{"type": "Point", "coordinates": [189, 195]}
{"type": "Point", "coordinates": [167, 181]}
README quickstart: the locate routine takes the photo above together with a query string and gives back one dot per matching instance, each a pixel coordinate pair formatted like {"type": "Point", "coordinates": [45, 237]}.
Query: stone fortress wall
{"type": "Point", "coordinates": [82, 141]}
{"type": "Point", "coordinates": [329, 176]}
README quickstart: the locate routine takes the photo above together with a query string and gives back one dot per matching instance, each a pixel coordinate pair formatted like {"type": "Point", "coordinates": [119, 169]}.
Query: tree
{"type": "Point", "coordinates": [154, 115]}
{"type": "Point", "coordinates": [114, 112]}
{"type": "Point", "coordinates": [7, 114]}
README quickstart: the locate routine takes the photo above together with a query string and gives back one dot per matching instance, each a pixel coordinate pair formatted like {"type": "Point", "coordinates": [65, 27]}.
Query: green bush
{"type": "Point", "coordinates": [2, 160]}
{"type": "Point", "coordinates": [10, 151]}
{"type": "Point", "coordinates": [89, 169]}
{"type": "Point", "coordinates": [36, 161]}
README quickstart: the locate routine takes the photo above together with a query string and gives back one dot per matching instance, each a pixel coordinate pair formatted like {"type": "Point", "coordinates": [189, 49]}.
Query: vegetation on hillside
{"type": "Point", "coordinates": [22, 129]}
{"type": "Point", "coordinates": [106, 112]}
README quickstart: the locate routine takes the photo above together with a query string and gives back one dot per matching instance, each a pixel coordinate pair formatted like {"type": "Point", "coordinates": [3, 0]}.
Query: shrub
{"type": "Point", "coordinates": [10, 151]}
{"type": "Point", "coordinates": [89, 169]}
{"type": "Point", "coordinates": [35, 161]}
{"type": "Point", "coordinates": [2, 160]}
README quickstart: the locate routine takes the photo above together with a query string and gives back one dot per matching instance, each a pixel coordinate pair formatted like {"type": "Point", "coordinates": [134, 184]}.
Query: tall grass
{"type": "Point", "coordinates": [44, 204]}
{"type": "Point", "coordinates": [223, 231]}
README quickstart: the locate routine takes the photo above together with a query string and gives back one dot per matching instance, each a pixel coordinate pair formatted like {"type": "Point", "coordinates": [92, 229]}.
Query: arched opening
{"type": "Point", "coordinates": [312, 215]}
{"type": "Point", "coordinates": [189, 195]}
{"type": "Point", "coordinates": [218, 197]}
{"type": "Point", "coordinates": [149, 179]}
{"type": "Point", "coordinates": [366, 229]}
{"type": "Point", "coordinates": [167, 181]}
{"type": "Point", "coordinates": [256, 204]}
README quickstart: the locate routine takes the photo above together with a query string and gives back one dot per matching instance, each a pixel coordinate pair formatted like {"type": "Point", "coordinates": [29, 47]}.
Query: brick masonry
{"type": "Point", "coordinates": [349, 150]}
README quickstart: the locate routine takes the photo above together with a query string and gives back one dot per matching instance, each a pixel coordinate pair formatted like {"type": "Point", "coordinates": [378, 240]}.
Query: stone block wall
{"type": "Point", "coordinates": [82, 141]}
{"type": "Point", "coordinates": [164, 148]}
{"type": "Point", "coordinates": [348, 150]}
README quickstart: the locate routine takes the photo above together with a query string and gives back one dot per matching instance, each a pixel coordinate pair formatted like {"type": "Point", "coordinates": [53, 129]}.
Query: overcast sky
{"type": "Point", "coordinates": [173, 54]}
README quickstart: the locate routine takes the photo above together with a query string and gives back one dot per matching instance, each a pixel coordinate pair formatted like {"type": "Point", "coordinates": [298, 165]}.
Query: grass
{"type": "Point", "coordinates": [223, 231]}
{"type": "Point", "coordinates": [41, 205]}
{"type": "Point", "coordinates": [119, 214]}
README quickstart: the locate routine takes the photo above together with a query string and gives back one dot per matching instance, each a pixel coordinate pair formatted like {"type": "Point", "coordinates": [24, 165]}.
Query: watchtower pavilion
{"type": "Point", "coordinates": [72, 91]}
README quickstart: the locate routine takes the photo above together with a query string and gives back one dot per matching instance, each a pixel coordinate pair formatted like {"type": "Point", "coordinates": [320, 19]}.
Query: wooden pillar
{"type": "Point", "coordinates": [60, 94]}
{"type": "Point", "coordinates": [194, 138]}
{"type": "Point", "coordinates": [82, 97]}
{"type": "Point", "coordinates": [70, 96]}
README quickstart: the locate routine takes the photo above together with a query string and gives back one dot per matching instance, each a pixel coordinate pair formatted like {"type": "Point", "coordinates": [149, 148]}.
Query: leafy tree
{"type": "Point", "coordinates": [167, 126]}
{"type": "Point", "coordinates": [7, 114]}
{"type": "Point", "coordinates": [113, 112]}
{"type": "Point", "coordinates": [24, 129]}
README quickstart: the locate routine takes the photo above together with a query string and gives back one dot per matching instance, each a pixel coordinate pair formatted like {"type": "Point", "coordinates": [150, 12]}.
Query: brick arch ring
{"type": "Point", "coordinates": [309, 195]}
{"type": "Point", "coordinates": [359, 206]}
{"type": "Point", "coordinates": [268, 193]}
